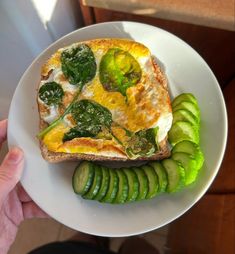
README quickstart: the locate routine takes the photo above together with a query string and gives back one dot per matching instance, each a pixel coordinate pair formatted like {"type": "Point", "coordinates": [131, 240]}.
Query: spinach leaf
{"type": "Point", "coordinates": [119, 70]}
{"type": "Point", "coordinates": [90, 112]}
{"type": "Point", "coordinates": [51, 93]}
{"type": "Point", "coordinates": [78, 132]}
{"type": "Point", "coordinates": [78, 64]}
{"type": "Point", "coordinates": [90, 118]}
{"type": "Point", "coordinates": [142, 143]}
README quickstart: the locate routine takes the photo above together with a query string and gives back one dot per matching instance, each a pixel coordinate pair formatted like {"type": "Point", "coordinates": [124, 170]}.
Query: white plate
{"type": "Point", "coordinates": [49, 185]}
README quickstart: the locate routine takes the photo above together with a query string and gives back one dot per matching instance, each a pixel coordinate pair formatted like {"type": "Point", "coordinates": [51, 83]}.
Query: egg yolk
{"type": "Point", "coordinates": [126, 112]}
{"type": "Point", "coordinates": [54, 138]}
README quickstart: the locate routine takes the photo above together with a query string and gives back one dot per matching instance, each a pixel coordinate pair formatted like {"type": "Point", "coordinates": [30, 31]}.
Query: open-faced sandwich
{"type": "Point", "coordinates": [103, 99]}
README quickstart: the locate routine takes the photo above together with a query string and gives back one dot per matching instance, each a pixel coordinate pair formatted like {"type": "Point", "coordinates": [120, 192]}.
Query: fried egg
{"type": "Point", "coordinates": [146, 104]}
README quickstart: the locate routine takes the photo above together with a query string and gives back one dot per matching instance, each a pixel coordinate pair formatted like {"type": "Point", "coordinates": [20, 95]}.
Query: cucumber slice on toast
{"type": "Point", "coordinates": [133, 184]}
{"type": "Point", "coordinates": [175, 175]}
{"type": "Point", "coordinates": [143, 183]}
{"type": "Point", "coordinates": [152, 181]}
{"type": "Point", "coordinates": [184, 97]}
{"type": "Point", "coordinates": [192, 149]}
{"type": "Point", "coordinates": [113, 187]}
{"type": "Point", "coordinates": [92, 192]}
{"type": "Point", "coordinates": [83, 177]}
{"type": "Point", "coordinates": [191, 107]}
{"type": "Point", "coordinates": [189, 164]}
{"type": "Point", "coordinates": [162, 175]}
{"type": "Point", "coordinates": [104, 184]}
{"type": "Point", "coordinates": [122, 193]}
{"type": "Point", "coordinates": [183, 131]}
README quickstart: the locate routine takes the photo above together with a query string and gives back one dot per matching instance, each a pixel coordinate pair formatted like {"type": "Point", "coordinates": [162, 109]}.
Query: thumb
{"type": "Point", "coordinates": [10, 171]}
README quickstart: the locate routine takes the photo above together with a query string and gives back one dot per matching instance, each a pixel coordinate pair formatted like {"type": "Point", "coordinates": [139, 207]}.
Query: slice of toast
{"type": "Point", "coordinates": [54, 157]}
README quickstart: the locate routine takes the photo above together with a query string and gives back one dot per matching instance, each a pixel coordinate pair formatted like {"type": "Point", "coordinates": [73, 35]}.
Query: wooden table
{"type": "Point", "coordinates": [211, 13]}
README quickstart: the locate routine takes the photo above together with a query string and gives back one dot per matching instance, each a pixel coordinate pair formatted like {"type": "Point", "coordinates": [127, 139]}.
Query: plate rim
{"type": "Point", "coordinates": [224, 110]}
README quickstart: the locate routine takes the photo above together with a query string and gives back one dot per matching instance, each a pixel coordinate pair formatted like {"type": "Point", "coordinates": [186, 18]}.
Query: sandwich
{"type": "Point", "coordinates": [103, 99]}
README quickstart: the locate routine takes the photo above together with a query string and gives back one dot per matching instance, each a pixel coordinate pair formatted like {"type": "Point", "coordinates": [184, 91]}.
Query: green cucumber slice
{"type": "Point", "coordinates": [94, 189]}
{"type": "Point", "coordinates": [185, 116]}
{"type": "Point", "coordinates": [184, 97]}
{"type": "Point", "coordinates": [192, 149]}
{"type": "Point", "coordinates": [189, 164]}
{"type": "Point", "coordinates": [113, 187]}
{"type": "Point", "coordinates": [191, 107]}
{"type": "Point", "coordinates": [152, 181]}
{"type": "Point", "coordinates": [133, 184]}
{"type": "Point", "coordinates": [122, 193]}
{"type": "Point", "coordinates": [104, 184]}
{"type": "Point", "coordinates": [183, 131]}
{"type": "Point", "coordinates": [175, 175]}
{"type": "Point", "coordinates": [162, 175]}
{"type": "Point", "coordinates": [83, 177]}
{"type": "Point", "coordinates": [143, 183]}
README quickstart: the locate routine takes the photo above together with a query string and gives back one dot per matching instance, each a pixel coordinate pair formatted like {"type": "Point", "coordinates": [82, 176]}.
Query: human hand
{"type": "Point", "coordinates": [15, 203]}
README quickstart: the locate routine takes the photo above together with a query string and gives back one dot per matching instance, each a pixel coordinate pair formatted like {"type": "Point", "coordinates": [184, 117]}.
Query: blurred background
{"type": "Point", "coordinates": [27, 27]}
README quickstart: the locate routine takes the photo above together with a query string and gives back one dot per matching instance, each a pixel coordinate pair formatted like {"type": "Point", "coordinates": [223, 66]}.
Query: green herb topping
{"type": "Point", "coordinates": [119, 70]}
{"type": "Point", "coordinates": [142, 143]}
{"type": "Point", "coordinates": [51, 93]}
{"type": "Point", "coordinates": [78, 64]}
{"type": "Point", "coordinates": [90, 118]}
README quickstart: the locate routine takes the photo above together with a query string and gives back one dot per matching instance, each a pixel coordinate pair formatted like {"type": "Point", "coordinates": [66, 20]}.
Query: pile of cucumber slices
{"type": "Point", "coordinates": [118, 186]}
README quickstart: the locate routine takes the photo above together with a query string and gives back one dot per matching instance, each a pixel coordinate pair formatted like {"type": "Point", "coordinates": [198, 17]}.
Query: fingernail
{"type": "Point", "coordinates": [15, 156]}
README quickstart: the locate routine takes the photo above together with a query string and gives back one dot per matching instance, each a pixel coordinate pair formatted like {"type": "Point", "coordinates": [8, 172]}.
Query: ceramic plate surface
{"type": "Point", "coordinates": [49, 185]}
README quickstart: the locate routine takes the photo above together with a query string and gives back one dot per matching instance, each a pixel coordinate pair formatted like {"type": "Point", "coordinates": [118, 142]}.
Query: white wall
{"type": "Point", "coordinates": [24, 33]}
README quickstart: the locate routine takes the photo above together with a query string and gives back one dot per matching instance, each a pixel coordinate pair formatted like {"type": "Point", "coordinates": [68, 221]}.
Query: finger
{"type": "Point", "coordinates": [10, 171]}
{"type": "Point", "coordinates": [31, 210]}
{"type": "Point", "coordinates": [22, 194]}
{"type": "Point", "coordinates": [3, 131]}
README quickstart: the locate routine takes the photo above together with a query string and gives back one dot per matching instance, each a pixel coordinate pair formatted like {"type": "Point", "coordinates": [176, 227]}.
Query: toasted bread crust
{"type": "Point", "coordinates": [54, 157]}
{"type": "Point", "coordinates": [59, 157]}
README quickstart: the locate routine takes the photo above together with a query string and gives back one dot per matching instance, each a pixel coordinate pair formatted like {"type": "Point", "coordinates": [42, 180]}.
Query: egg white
{"type": "Point", "coordinates": [52, 115]}
{"type": "Point", "coordinates": [153, 95]}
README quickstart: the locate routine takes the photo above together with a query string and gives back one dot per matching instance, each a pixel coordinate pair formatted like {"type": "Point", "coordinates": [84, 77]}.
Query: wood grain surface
{"type": "Point", "coordinates": [211, 13]}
